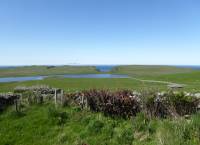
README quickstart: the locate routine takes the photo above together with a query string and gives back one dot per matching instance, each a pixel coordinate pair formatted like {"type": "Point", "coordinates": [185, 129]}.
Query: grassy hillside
{"type": "Point", "coordinates": [39, 125]}
{"type": "Point", "coordinates": [189, 77]}
{"type": "Point", "coordinates": [45, 70]}
{"type": "Point", "coordinates": [151, 70]}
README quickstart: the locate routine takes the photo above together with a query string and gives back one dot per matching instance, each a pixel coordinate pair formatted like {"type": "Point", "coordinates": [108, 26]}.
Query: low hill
{"type": "Point", "coordinates": [46, 70]}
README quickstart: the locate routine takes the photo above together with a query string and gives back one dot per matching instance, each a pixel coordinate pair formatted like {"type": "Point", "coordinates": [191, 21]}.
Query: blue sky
{"type": "Point", "coordinates": [99, 32]}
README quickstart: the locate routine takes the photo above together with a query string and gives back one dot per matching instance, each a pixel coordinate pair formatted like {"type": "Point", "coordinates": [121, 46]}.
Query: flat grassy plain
{"type": "Point", "coordinates": [190, 78]}
{"type": "Point", "coordinates": [71, 84]}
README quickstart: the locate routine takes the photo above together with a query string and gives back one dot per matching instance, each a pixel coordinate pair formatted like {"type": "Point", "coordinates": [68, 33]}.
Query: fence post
{"type": "Point", "coordinates": [61, 95]}
{"type": "Point", "coordinates": [82, 102]}
{"type": "Point", "coordinates": [55, 97]}
{"type": "Point", "coordinates": [86, 102]}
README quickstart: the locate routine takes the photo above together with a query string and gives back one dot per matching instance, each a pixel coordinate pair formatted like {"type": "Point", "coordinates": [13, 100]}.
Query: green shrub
{"type": "Point", "coordinates": [95, 126]}
{"type": "Point", "coordinates": [86, 120]}
{"type": "Point", "coordinates": [152, 126]}
{"type": "Point", "coordinates": [182, 103]}
{"type": "Point", "coordinates": [58, 117]}
{"type": "Point", "coordinates": [76, 109]}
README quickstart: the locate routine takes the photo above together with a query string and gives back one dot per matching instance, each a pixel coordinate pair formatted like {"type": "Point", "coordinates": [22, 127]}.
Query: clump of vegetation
{"type": "Point", "coordinates": [58, 117]}
{"type": "Point", "coordinates": [141, 122]}
{"type": "Point", "coordinates": [95, 126]}
{"type": "Point", "coordinates": [120, 103]}
{"type": "Point", "coordinates": [124, 134]}
{"type": "Point", "coordinates": [179, 132]}
{"type": "Point", "coordinates": [126, 103]}
{"type": "Point", "coordinates": [182, 103]}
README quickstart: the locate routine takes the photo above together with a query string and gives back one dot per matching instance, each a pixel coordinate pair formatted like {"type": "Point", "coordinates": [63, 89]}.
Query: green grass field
{"type": "Point", "coordinates": [162, 73]}
{"type": "Point", "coordinates": [45, 70]}
{"type": "Point", "coordinates": [145, 70]}
{"type": "Point", "coordinates": [190, 78]}
{"type": "Point", "coordinates": [70, 84]}
{"type": "Point", "coordinates": [43, 124]}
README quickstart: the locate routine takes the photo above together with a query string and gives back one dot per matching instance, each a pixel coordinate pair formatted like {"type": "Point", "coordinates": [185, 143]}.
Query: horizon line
{"type": "Point", "coordinates": [99, 65]}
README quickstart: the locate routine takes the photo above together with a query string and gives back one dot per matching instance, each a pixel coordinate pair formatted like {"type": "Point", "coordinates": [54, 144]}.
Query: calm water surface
{"type": "Point", "coordinates": [22, 79]}
{"type": "Point", "coordinates": [101, 68]}
{"type": "Point", "coordinates": [105, 68]}
{"type": "Point", "coordinates": [195, 67]}
{"type": "Point", "coordinates": [95, 76]}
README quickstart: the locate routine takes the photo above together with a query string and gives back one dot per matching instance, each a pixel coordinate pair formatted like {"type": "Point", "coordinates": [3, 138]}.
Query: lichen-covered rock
{"type": "Point", "coordinates": [42, 89]}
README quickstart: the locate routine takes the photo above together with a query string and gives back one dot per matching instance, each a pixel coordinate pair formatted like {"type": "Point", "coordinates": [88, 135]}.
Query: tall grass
{"type": "Point", "coordinates": [179, 132]}
{"type": "Point", "coordinates": [41, 125]}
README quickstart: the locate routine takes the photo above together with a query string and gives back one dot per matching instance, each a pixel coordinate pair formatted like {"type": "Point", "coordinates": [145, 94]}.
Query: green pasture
{"type": "Point", "coordinates": [46, 70]}
{"type": "Point", "coordinates": [188, 77]}
{"type": "Point", "coordinates": [71, 84]}
{"type": "Point", "coordinates": [45, 124]}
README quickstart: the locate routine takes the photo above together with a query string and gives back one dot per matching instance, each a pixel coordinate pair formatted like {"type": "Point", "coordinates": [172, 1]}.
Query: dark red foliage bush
{"type": "Point", "coordinates": [126, 103]}
{"type": "Point", "coordinates": [119, 103]}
